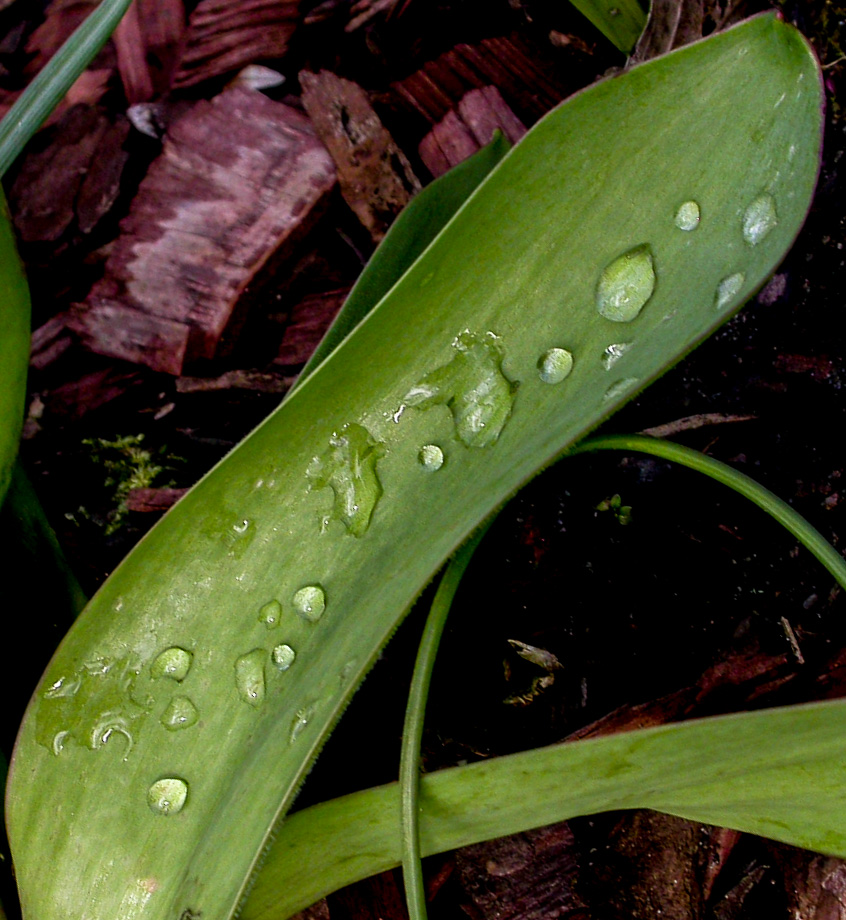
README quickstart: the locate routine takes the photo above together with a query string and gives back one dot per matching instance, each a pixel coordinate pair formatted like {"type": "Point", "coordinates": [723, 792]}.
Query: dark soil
{"type": "Point", "coordinates": [637, 606]}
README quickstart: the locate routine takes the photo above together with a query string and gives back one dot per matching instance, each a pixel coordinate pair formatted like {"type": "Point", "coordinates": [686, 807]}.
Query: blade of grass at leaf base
{"type": "Point", "coordinates": [14, 346]}
{"type": "Point", "coordinates": [620, 22]}
{"type": "Point", "coordinates": [780, 773]}
{"type": "Point", "coordinates": [43, 94]}
{"type": "Point", "coordinates": [106, 806]}
{"type": "Point", "coordinates": [409, 235]}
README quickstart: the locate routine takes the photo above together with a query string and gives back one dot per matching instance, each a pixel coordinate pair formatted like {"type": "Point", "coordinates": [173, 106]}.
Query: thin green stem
{"type": "Point", "coordinates": [774, 506]}
{"type": "Point", "coordinates": [412, 735]}
{"type": "Point", "coordinates": [43, 94]}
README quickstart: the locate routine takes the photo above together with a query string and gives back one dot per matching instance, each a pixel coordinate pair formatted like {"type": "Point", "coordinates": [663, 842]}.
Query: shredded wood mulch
{"type": "Point", "coordinates": [193, 216]}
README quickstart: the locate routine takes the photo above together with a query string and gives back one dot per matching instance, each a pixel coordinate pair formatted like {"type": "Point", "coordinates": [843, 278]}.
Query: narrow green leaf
{"type": "Point", "coordinates": [620, 21]}
{"type": "Point", "coordinates": [44, 93]}
{"type": "Point", "coordinates": [779, 773]}
{"type": "Point", "coordinates": [174, 718]}
{"type": "Point", "coordinates": [409, 235]}
{"type": "Point", "coordinates": [14, 346]}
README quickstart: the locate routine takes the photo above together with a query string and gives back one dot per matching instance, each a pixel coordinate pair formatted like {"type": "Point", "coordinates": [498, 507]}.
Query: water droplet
{"type": "Point", "coordinates": [283, 657]}
{"type": "Point", "coordinates": [555, 365]}
{"type": "Point", "coordinates": [249, 677]}
{"type": "Point", "coordinates": [620, 387]}
{"type": "Point", "coordinates": [349, 467]}
{"type": "Point", "coordinates": [310, 602]}
{"type": "Point", "coordinates": [167, 796]}
{"type": "Point", "coordinates": [63, 687]}
{"type": "Point", "coordinates": [626, 284]}
{"type": "Point", "coordinates": [301, 718]}
{"type": "Point", "coordinates": [473, 386]}
{"type": "Point", "coordinates": [241, 527]}
{"type": "Point", "coordinates": [687, 216]}
{"type": "Point", "coordinates": [59, 742]}
{"type": "Point", "coordinates": [271, 614]}
{"type": "Point", "coordinates": [430, 457]}
{"type": "Point", "coordinates": [613, 353]}
{"type": "Point", "coordinates": [759, 219]}
{"type": "Point", "coordinates": [728, 288]}
{"type": "Point", "coordinates": [180, 713]}
{"type": "Point", "coordinates": [173, 662]}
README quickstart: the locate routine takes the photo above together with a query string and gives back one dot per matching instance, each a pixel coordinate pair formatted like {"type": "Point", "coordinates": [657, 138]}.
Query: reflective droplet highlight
{"type": "Point", "coordinates": [173, 662]}
{"type": "Point", "coordinates": [555, 365]}
{"type": "Point", "coordinates": [759, 219]}
{"type": "Point", "coordinates": [626, 284]}
{"type": "Point", "coordinates": [167, 796]}
{"type": "Point", "coordinates": [349, 468]}
{"type": "Point", "coordinates": [249, 677]}
{"type": "Point", "coordinates": [727, 289]}
{"type": "Point", "coordinates": [180, 713]}
{"type": "Point", "coordinates": [310, 602]}
{"type": "Point", "coordinates": [271, 614]}
{"type": "Point", "coordinates": [474, 388]}
{"type": "Point", "coordinates": [620, 387]}
{"type": "Point", "coordinates": [687, 216]}
{"type": "Point", "coordinates": [430, 457]}
{"type": "Point", "coordinates": [301, 719]}
{"type": "Point", "coordinates": [283, 657]}
{"type": "Point", "coordinates": [612, 354]}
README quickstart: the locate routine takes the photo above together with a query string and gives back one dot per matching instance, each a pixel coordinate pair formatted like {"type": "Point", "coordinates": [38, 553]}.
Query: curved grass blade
{"type": "Point", "coordinates": [418, 224]}
{"type": "Point", "coordinates": [620, 22]}
{"type": "Point", "coordinates": [779, 773]}
{"type": "Point", "coordinates": [775, 507]}
{"type": "Point", "coordinates": [412, 733]}
{"type": "Point", "coordinates": [57, 76]}
{"type": "Point", "coordinates": [188, 701]}
{"type": "Point", "coordinates": [14, 346]}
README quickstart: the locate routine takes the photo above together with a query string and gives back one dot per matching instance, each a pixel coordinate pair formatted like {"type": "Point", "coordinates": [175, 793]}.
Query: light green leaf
{"type": "Point", "coordinates": [620, 21]}
{"type": "Point", "coordinates": [778, 773]}
{"type": "Point", "coordinates": [108, 807]}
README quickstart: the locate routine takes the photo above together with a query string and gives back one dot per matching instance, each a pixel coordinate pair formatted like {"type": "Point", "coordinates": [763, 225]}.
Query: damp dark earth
{"type": "Point", "coordinates": [614, 591]}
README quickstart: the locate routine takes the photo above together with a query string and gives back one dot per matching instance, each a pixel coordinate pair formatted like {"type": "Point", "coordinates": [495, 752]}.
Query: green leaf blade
{"type": "Point", "coordinates": [514, 274]}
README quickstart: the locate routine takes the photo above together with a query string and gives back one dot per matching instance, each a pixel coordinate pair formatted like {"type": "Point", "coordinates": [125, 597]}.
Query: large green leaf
{"type": "Point", "coordinates": [316, 534]}
{"type": "Point", "coordinates": [779, 773]}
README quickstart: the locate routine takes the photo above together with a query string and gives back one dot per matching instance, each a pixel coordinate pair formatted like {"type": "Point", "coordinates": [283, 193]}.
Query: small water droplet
{"type": "Point", "coordinates": [728, 288]}
{"type": "Point", "coordinates": [397, 414]}
{"type": "Point", "coordinates": [180, 713]}
{"type": "Point", "coordinates": [620, 387]}
{"type": "Point", "coordinates": [759, 219]}
{"type": "Point", "coordinates": [310, 602]}
{"type": "Point", "coordinates": [430, 457]}
{"type": "Point", "coordinates": [249, 677]}
{"type": "Point", "coordinates": [271, 614]}
{"type": "Point", "coordinates": [555, 365]}
{"type": "Point", "coordinates": [63, 687]}
{"type": "Point", "coordinates": [167, 796]}
{"type": "Point", "coordinates": [613, 353]}
{"type": "Point", "coordinates": [301, 719]}
{"type": "Point", "coordinates": [173, 662]}
{"type": "Point", "coordinates": [283, 657]}
{"type": "Point", "coordinates": [626, 284]}
{"type": "Point", "coordinates": [241, 526]}
{"type": "Point", "coordinates": [59, 742]}
{"type": "Point", "coordinates": [687, 216]}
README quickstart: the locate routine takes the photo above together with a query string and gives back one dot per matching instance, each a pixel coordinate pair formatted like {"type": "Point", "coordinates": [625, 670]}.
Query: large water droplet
{"type": "Point", "coordinates": [301, 719]}
{"type": "Point", "coordinates": [612, 354]}
{"type": "Point", "coordinates": [167, 796]}
{"type": "Point", "coordinates": [759, 219]}
{"type": "Point", "coordinates": [555, 365]}
{"type": "Point", "coordinates": [283, 657]}
{"type": "Point", "coordinates": [626, 284]}
{"type": "Point", "coordinates": [310, 602]}
{"type": "Point", "coordinates": [249, 676]}
{"type": "Point", "coordinates": [431, 457]}
{"type": "Point", "coordinates": [687, 216]}
{"type": "Point", "coordinates": [181, 713]}
{"type": "Point", "coordinates": [620, 387]}
{"type": "Point", "coordinates": [271, 614]}
{"type": "Point", "coordinates": [349, 467]}
{"type": "Point", "coordinates": [173, 662]}
{"type": "Point", "coordinates": [727, 289]}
